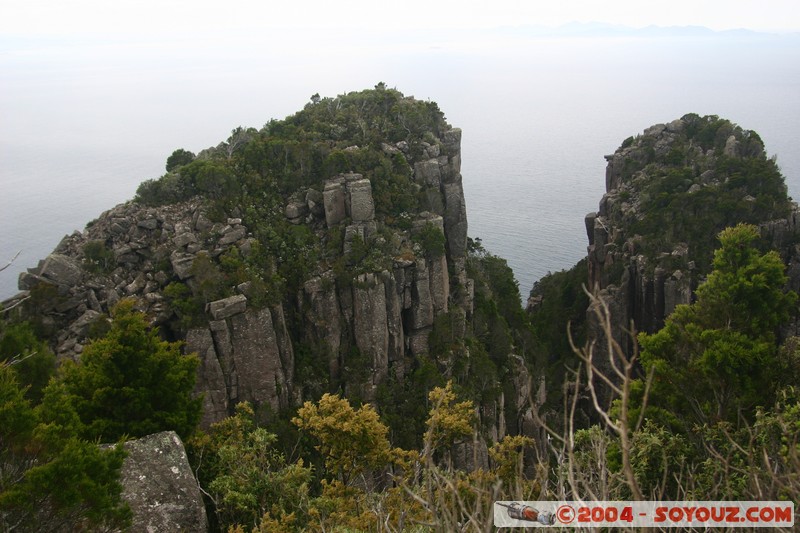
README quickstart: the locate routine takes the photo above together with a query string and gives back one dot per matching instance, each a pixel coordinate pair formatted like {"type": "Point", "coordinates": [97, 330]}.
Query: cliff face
{"type": "Point", "coordinates": [247, 348]}
{"type": "Point", "coordinates": [668, 193]}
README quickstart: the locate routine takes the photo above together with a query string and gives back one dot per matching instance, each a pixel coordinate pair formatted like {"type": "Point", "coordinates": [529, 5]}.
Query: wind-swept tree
{"type": "Point", "coordinates": [179, 158]}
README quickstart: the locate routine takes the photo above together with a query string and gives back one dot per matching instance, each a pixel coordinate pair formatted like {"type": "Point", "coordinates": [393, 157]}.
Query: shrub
{"type": "Point", "coordinates": [130, 382]}
{"type": "Point", "coordinates": [98, 259]}
{"type": "Point", "coordinates": [432, 240]}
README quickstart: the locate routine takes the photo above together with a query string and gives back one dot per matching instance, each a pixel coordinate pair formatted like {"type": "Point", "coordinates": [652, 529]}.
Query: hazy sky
{"type": "Point", "coordinates": [142, 17]}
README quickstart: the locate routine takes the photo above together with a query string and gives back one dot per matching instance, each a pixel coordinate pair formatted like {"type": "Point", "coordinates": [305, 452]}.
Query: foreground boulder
{"type": "Point", "coordinates": [159, 486]}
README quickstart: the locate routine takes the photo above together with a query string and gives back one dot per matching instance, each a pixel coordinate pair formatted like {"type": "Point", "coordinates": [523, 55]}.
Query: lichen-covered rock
{"type": "Point", "coordinates": [334, 202]}
{"type": "Point", "coordinates": [245, 357]}
{"type": "Point", "coordinates": [184, 239]}
{"type": "Point", "coordinates": [81, 326]}
{"type": "Point", "coordinates": [427, 172]}
{"type": "Point", "coordinates": [322, 319]}
{"type": "Point", "coordinates": [394, 320]}
{"type": "Point", "coordinates": [440, 284]}
{"type": "Point", "coordinates": [455, 219]}
{"type": "Point", "coordinates": [232, 235]}
{"type": "Point", "coordinates": [422, 302]}
{"type": "Point", "coordinates": [159, 486]}
{"type": "Point", "coordinates": [182, 264]}
{"type": "Point", "coordinates": [295, 211]}
{"type": "Point", "coordinates": [257, 359]}
{"type": "Point", "coordinates": [315, 202]}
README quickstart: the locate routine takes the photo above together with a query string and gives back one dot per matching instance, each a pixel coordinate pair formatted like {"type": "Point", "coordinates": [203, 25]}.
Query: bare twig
{"type": "Point", "coordinates": [11, 261]}
{"type": "Point", "coordinates": [16, 303]}
{"type": "Point", "coordinates": [623, 367]}
{"type": "Point", "coordinates": [17, 359]}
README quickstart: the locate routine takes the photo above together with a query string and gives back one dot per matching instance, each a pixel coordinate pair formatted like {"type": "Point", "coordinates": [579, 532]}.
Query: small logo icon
{"type": "Point", "coordinates": [517, 511]}
{"type": "Point", "coordinates": [565, 514]}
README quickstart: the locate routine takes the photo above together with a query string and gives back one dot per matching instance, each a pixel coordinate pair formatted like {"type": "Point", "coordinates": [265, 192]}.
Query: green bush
{"type": "Point", "coordinates": [718, 358]}
{"type": "Point", "coordinates": [179, 158]}
{"type": "Point", "coordinates": [432, 240]}
{"type": "Point", "coordinates": [189, 309]}
{"type": "Point", "coordinates": [51, 479]}
{"type": "Point", "coordinates": [98, 259]}
{"type": "Point", "coordinates": [129, 382]}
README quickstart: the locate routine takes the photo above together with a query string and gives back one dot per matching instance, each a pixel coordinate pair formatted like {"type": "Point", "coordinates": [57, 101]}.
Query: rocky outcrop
{"type": "Point", "coordinates": [228, 307]}
{"type": "Point", "coordinates": [370, 322]}
{"type": "Point", "coordinates": [137, 252]}
{"type": "Point", "coordinates": [643, 276]}
{"type": "Point", "coordinates": [348, 196]}
{"type": "Point", "coordinates": [168, 260]}
{"type": "Point", "coordinates": [334, 202]}
{"type": "Point", "coordinates": [440, 171]}
{"type": "Point", "coordinates": [323, 319]}
{"type": "Point", "coordinates": [129, 251]}
{"type": "Point", "coordinates": [215, 384]}
{"type": "Point", "coordinates": [360, 205]}
{"type": "Point", "coordinates": [387, 315]}
{"type": "Point", "coordinates": [159, 486]}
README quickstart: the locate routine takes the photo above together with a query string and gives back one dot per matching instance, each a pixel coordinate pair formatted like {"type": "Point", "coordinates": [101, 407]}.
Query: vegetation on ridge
{"type": "Point", "coordinates": [254, 173]}
{"type": "Point", "coordinates": [666, 190]}
{"type": "Point", "coordinates": [329, 136]}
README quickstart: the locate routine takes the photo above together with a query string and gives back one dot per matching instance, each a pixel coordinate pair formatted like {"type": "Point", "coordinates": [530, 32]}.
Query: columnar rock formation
{"type": "Point", "coordinates": [247, 351]}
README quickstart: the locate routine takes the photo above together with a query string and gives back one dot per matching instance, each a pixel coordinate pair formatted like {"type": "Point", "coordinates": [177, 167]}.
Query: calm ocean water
{"type": "Point", "coordinates": [82, 126]}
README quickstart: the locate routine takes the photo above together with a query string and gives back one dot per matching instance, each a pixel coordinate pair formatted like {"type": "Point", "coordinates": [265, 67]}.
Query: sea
{"type": "Point", "coordinates": [84, 120]}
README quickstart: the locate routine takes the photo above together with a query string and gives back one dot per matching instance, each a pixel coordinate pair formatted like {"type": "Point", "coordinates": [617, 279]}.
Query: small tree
{"type": "Point", "coordinates": [98, 258]}
{"type": "Point", "coordinates": [352, 441]}
{"type": "Point", "coordinates": [130, 382]}
{"type": "Point", "coordinates": [29, 357]}
{"type": "Point", "coordinates": [447, 420]}
{"type": "Point", "coordinates": [508, 458]}
{"type": "Point", "coordinates": [432, 240]}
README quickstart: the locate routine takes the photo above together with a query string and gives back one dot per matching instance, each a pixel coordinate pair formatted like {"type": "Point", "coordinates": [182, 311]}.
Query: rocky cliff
{"type": "Point", "coordinates": [669, 191]}
{"type": "Point", "coordinates": [327, 252]}
{"type": "Point", "coordinates": [388, 251]}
